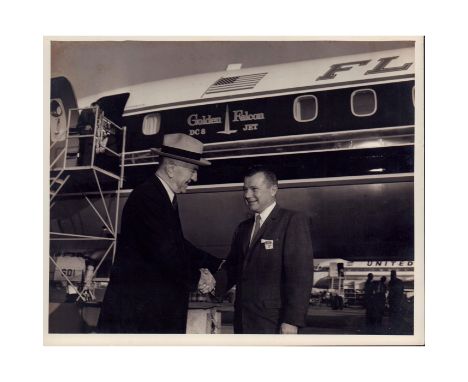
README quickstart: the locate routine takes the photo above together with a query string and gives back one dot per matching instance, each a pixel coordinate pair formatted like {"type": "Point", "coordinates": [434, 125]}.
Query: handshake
{"type": "Point", "coordinates": [207, 282]}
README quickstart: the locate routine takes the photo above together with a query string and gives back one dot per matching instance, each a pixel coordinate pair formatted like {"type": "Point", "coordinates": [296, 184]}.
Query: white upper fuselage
{"type": "Point", "coordinates": [296, 77]}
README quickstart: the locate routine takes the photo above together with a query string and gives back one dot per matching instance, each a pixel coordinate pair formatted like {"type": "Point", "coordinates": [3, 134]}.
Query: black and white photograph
{"type": "Point", "coordinates": [254, 191]}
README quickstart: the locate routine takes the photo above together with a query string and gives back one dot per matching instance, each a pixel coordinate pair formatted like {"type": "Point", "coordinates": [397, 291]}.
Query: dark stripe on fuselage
{"type": "Point", "coordinates": [316, 165]}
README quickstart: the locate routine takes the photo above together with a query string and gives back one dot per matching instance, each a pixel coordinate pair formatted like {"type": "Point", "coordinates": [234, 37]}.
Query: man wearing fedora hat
{"type": "Point", "coordinates": [155, 268]}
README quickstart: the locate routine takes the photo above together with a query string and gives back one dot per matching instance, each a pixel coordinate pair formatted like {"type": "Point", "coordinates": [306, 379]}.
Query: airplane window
{"type": "Point", "coordinates": [58, 121]}
{"type": "Point", "coordinates": [305, 108]}
{"type": "Point", "coordinates": [363, 102]}
{"type": "Point", "coordinates": [151, 124]}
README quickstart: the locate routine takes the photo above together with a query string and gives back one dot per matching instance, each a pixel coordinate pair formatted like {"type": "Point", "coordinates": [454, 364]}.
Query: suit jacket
{"type": "Point", "coordinates": [155, 268]}
{"type": "Point", "coordinates": [273, 276]}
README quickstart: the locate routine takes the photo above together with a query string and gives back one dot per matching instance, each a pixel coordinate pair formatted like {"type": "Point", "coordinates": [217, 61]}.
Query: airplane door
{"type": "Point", "coordinates": [58, 121]}
{"type": "Point", "coordinates": [62, 99]}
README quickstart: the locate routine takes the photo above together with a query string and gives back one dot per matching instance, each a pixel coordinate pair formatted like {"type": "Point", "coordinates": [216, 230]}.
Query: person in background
{"type": "Point", "coordinates": [155, 267]}
{"type": "Point", "coordinates": [270, 262]}
{"type": "Point", "coordinates": [85, 126]}
{"type": "Point", "coordinates": [395, 300]}
{"type": "Point", "coordinates": [380, 300]}
{"type": "Point", "coordinates": [369, 299]}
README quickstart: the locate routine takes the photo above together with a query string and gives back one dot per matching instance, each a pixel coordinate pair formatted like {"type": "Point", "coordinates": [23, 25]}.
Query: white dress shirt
{"type": "Point", "coordinates": [170, 193]}
{"type": "Point", "coordinates": [263, 216]}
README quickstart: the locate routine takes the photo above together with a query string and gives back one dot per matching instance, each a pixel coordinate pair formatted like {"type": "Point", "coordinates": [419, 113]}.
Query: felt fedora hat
{"type": "Point", "coordinates": [182, 147]}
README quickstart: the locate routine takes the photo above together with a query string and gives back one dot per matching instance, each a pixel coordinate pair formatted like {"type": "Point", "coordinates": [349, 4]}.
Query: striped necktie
{"type": "Point", "coordinates": [258, 218]}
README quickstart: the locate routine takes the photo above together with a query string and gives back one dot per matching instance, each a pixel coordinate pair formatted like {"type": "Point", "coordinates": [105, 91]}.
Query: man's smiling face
{"type": "Point", "coordinates": [258, 192]}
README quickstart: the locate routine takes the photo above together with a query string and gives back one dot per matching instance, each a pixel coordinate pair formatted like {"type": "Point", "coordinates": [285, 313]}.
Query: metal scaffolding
{"type": "Point", "coordinates": [78, 162]}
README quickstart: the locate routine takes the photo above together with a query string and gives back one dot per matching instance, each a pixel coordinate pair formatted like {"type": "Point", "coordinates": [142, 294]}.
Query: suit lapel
{"type": "Point", "coordinates": [265, 226]}
{"type": "Point", "coordinates": [246, 236]}
{"type": "Point", "coordinates": [172, 213]}
{"type": "Point", "coordinates": [162, 191]}
{"type": "Point", "coordinates": [159, 186]}
{"type": "Point", "coordinates": [270, 222]}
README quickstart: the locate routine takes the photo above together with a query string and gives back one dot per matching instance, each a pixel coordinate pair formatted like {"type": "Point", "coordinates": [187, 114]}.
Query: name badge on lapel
{"type": "Point", "coordinates": [268, 243]}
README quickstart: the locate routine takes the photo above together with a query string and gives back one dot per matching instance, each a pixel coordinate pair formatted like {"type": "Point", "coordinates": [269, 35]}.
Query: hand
{"type": "Point", "coordinates": [207, 282]}
{"type": "Point", "coordinates": [288, 329]}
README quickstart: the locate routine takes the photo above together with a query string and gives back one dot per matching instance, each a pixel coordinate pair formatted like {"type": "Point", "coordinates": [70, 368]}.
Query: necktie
{"type": "Point", "coordinates": [174, 203]}
{"type": "Point", "coordinates": [258, 218]}
{"type": "Point", "coordinates": [175, 206]}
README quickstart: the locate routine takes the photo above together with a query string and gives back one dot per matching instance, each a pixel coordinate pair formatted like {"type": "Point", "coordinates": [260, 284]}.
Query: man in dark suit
{"type": "Point", "coordinates": [270, 262]}
{"type": "Point", "coordinates": [396, 295]}
{"type": "Point", "coordinates": [155, 267]}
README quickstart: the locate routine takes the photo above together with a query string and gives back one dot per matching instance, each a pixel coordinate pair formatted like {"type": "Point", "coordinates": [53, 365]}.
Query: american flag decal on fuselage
{"type": "Point", "coordinates": [226, 84]}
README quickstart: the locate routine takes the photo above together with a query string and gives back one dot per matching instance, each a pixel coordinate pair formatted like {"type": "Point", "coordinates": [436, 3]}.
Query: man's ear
{"type": "Point", "coordinates": [274, 190]}
{"type": "Point", "coordinates": [170, 170]}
